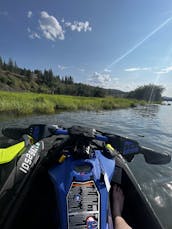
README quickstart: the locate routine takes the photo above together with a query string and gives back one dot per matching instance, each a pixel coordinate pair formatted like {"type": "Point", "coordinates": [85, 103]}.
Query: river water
{"type": "Point", "coordinates": [151, 126]}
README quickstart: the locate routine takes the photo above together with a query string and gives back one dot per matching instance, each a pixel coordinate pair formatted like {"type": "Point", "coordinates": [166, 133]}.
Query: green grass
{"type": "Point", "coordinates": [30, 103]}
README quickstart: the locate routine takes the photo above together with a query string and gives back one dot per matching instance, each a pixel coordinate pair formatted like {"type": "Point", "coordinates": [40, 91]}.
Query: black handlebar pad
{"type": "Point", "coordinates": [14, 133]}
{"type": "Point", "coordinates": [36, 131]}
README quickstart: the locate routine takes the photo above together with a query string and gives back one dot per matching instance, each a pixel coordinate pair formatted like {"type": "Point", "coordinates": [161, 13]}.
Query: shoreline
{"type": "Point", "coordinates": [27, 103]}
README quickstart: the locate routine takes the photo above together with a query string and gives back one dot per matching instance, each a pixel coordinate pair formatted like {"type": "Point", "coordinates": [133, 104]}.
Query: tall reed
{"type": "Point", "coordinates": [29, 103]}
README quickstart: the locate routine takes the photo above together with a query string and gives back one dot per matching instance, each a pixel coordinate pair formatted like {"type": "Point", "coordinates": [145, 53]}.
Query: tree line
{"type": "Point", "coordinates": [46, 82]}
{"type": "Point", "coordinates": [46, 76]}
{"type": "Point", "coordinates": [149, 92]}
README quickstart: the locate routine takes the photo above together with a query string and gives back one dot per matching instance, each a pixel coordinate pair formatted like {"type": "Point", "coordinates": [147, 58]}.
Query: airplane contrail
{"type": "Point", "coordinates": [140, 42]}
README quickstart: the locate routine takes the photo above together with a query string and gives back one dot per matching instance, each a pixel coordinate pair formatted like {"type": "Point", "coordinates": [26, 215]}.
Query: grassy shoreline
{"type": "Point", "coordinates": [32, 103]}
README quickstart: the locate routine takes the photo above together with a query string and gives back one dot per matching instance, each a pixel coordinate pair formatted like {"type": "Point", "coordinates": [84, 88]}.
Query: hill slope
{"type": "Point", "coordinates": [50, 84]}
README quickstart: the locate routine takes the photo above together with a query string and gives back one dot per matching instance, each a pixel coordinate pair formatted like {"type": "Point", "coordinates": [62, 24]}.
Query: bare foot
{"type": "Point", "coordinates": [118, 201]}
{"type": "Point", "coordinates": [117, 207]}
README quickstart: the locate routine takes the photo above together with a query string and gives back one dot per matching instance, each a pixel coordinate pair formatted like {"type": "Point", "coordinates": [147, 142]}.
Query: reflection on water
{"type": "Point", "coordinates": [147, 111]}
{"type": "Point", "coordinates": [160, 197]}
{"type": "Point", "coordinates": [150, 125]}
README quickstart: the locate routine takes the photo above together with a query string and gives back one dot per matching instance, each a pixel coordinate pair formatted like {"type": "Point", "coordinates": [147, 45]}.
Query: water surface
{"type": "Point", "coordinates": [150, 125]}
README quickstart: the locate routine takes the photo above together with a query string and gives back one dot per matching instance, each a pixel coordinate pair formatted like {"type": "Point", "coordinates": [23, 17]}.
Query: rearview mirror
{"type": "Point", "coordinates": [153, 157]}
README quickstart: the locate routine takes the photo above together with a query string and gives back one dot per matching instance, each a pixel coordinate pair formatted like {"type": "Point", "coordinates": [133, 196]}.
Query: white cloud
{"type": "Point", "coordinates": [79, 26]}
{"type": "Point", "coordinates": [67, 24]}
{"type": "Point", "coordinates": [32, 34]}
{"type": "Point", "coordinates": [50, 27]}
{"type": "Point", "coordinates": [137, 69]}
{"type": "Point", "coordinates": [29, 14]}
{"type": "Point", "coordinates": [103, 80]}
{"type": "Point", "coordinates": [165, 70]}
{"type": "Point", "coordinates": [131, 69]}
{"type": "Point", "coordinates": [107, 70]}
{"type": "Point", "coordinates": [111, 82]}
{"type": "Point", "coordinates": [61, 67]}
{"type": "Point", "coordinates": [156, 70]}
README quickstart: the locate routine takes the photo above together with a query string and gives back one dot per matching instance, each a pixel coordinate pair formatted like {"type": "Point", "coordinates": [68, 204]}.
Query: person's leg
{"type": "Point", "coordinates": [117, 207]}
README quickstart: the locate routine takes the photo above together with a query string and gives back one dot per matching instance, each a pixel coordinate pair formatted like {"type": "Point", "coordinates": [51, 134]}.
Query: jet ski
{"type": "Point", "coordinates": [61, 178]}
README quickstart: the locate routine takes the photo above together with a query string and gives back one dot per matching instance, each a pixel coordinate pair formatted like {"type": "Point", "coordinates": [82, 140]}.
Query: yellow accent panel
{"type": "Point", "coordinates": [8, 154]}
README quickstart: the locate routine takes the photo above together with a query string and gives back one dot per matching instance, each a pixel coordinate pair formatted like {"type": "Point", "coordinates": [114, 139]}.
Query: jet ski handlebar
{"type": "Point", "coordinates": [123, 145]}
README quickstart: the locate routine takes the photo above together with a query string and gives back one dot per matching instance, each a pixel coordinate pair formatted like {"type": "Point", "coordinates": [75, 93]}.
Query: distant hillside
{"type": "Point", "coordinates": [13, 78]}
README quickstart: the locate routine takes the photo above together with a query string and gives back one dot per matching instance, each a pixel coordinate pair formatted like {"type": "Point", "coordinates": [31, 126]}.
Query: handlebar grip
{"type": "Point", "coordinates": [14, 133]}
{"type": "Point", "coordinates": [153, 157]}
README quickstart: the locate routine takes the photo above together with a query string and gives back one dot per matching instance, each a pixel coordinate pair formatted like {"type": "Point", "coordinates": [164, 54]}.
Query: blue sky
{"type": "Point", "coordinates": [119, 44]}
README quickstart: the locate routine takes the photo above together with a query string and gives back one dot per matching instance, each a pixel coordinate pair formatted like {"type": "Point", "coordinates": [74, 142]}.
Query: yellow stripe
{"type": "Point", "coordinates": [108, 146]}
{"type": "Point", "coordinates": [8, 154]}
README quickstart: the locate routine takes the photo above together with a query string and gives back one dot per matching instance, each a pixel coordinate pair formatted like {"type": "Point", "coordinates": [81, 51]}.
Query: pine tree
{"type": "Point", "coordinates": [1, 62]}
{"type": "Point", "coordinates": [10, 65]}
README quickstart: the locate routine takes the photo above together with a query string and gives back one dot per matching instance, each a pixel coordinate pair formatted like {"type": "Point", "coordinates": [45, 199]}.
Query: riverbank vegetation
{"type": "Point", "coordinates": [25, 91]}
{"type": "Point", "coordinates": [29, 103]}
{"type": "Point", "coordinates": [14, 78]}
